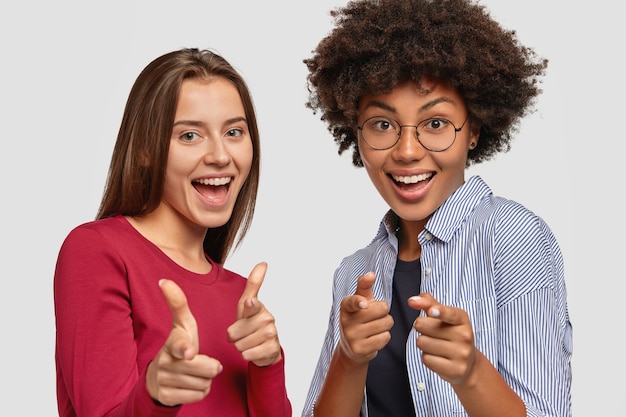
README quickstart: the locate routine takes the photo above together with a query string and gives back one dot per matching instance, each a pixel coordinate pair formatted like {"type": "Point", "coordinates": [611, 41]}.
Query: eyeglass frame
{"type": "Point", "coordinates": [417, 135]}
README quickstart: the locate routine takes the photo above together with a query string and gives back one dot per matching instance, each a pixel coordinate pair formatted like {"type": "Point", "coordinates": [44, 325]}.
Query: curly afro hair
{"type": "Point", "coordinates": [377, 44]}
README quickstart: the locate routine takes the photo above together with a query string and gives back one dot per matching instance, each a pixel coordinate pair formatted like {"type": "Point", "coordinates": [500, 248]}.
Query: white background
{"type": "Point", "coordinates": [67, 67]}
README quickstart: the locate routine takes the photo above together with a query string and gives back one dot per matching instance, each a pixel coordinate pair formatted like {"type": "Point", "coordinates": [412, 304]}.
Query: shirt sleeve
{"type": "Point", "coordinates": [536, 334]}
{"type": "Point", "coordinates": [320, 373]}
{"type": "Point", "coordinates": [266, 388]}
{"type": "Point", "coordinates": [328, 347]}
{"type": "Point", "coordinates": [95, 350]}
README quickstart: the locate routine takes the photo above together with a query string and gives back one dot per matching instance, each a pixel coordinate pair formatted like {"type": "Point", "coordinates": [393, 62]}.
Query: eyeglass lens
{"type": "Point", "coordinates": [435, 134]}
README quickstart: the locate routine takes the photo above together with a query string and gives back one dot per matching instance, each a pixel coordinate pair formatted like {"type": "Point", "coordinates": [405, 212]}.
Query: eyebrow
{"type": "Point", "coordinates": [197, 123]}
{"type": "Point", "coordinates": [423, 108]}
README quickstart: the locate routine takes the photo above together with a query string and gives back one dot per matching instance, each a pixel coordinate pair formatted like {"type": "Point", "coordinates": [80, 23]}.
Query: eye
{"type": "Point", "coordinates": [436, 125]}
{"type": "Point", "coordinates": [380, 124]}
{"type": "Point", "coordinates": [233, 133]}
{"type": "Point", "coordinates": [237, 133]}
{"type": "Point", "coordinates": [190, 137]}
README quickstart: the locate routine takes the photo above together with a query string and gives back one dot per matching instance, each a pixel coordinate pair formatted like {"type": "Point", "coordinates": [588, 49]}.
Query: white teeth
{"type": "Point", "coordinates": [214, 181]}
{"type": "Point", "coordinates": [412, 179]}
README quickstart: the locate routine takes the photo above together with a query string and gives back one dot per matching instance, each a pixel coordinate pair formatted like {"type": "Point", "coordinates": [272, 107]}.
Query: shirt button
{"type": "Point", "coordinates": [421, 386]}
{"type": "Point", "coordinates": [428, 236]}
{"type": "Point", "coordinates": [427, 271]}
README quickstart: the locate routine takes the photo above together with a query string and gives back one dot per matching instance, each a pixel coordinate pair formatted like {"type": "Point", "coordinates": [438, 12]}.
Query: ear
{"type": "Point", "coordinates": [473, 140]}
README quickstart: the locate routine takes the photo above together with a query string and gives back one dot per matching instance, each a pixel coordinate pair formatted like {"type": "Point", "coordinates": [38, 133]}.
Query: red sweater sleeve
{"type": "Point", "coordinates": [267, 395]}
{"type": "Point", "coordinates": [139, 403]}
{"type": "Point", "coordinates": [95, 348]}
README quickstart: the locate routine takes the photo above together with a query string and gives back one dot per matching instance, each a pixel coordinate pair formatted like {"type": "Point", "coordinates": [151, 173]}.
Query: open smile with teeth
{"type": "Point", "coordinates": [412, 179]}
{"type": "Point", "coordinates": [214, 181]}
{"type": "Point", "coordinates": [214, 190]}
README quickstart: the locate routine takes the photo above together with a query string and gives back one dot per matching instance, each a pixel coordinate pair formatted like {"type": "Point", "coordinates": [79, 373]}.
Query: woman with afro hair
{"type": "Point", "coordinates": [458, 305]}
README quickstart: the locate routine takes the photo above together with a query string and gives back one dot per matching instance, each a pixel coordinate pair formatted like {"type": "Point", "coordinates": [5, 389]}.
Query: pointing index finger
{"type": "Point", "coordinates": [434, 309]}
{"type": "Point", "coordinates": [182, 318]}
{"type": "Point", "coordinates": [253, 285]}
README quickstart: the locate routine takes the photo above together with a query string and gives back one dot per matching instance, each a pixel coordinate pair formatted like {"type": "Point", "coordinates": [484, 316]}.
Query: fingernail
{"type": "Point", "coordinates": [415, 298]}
{"type": "Point", "coordinates": [362, 304]}
{"type": "Point", "coordinates": [434, 312]}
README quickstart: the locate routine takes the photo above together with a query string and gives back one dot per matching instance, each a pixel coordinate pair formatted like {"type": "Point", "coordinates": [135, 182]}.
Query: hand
{"type": "Point", "coordinates": [365, 322]}
{"type": "Point", "coordinates": [178, 374]}
{"type": "Point", "coordinates": [254, 332]}
{"type": "Point", "coordinates": [446, 339]}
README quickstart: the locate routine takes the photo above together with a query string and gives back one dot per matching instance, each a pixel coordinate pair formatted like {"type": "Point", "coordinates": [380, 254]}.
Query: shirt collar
{"type": "Point", "coordinates": [448, 217]}
{"type": "Point", "coordinates": [456, 209]}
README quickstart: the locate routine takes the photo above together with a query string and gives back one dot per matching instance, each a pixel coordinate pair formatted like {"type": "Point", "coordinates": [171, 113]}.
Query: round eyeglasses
{"type": "Point", "coordinates": [435, 134]}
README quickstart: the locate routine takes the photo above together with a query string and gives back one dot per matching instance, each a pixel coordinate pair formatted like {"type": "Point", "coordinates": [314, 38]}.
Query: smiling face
{"type": "Point", "coordinates": [210, 155]}
{"type": "Point", "coordinates": [411, 179]}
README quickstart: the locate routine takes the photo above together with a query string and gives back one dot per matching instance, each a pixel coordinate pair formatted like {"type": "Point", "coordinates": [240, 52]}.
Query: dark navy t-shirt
{"type": "Point", "coordinates": [387, 384]}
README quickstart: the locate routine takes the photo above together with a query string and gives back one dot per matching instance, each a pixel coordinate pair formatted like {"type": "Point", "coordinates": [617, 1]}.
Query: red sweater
{"type": "Point", "coordinates": [112, 319]}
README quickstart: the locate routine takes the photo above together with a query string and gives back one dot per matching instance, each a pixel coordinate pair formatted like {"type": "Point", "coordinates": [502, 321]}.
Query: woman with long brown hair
{"type": "Point", "coordinates": [149, 322]}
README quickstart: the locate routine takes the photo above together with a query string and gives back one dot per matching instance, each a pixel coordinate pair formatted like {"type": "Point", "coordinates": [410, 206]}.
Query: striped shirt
{"type": "Point", "coordinates": [500, 263]}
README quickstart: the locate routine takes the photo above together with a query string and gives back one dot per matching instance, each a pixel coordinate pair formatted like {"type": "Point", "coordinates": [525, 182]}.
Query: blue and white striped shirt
{"type": "Point", "coordinates": [500, 263]}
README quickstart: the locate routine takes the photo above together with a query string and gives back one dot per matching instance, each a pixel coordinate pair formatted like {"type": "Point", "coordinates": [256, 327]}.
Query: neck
{"type": "Point", "coordinates": [409, 247]}
{"type": "Point", "coordinates": [180, 242]}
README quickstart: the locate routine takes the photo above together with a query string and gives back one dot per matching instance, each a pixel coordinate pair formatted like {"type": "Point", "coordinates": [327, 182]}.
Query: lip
{"type": "Point", "coordinates": [412, 191]}
{"type": "Point", "coordinates": [213, 191]}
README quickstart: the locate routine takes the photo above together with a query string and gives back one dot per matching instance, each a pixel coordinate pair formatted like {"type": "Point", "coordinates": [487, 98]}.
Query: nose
{"type": "Point", "coordinates": [408, 147]}
{"type": "Point", "coordinates": [216, 152]}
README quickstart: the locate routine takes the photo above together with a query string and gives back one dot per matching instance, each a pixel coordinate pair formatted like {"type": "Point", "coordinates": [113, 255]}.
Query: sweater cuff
{"type": "Point", "coordinates": [267, 381]}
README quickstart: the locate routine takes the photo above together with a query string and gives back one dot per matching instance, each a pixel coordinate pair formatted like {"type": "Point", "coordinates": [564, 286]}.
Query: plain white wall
{"type": "Point", "coordinates": [68, 66]}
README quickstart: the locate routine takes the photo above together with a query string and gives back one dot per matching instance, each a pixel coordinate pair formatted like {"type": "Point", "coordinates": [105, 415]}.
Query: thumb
{"type": "Point", "coordinates": [364, 286]}
{"type": "Point", "coordinates": [253, 285]}
{"type": "Point", "coordinates": [182, 342]}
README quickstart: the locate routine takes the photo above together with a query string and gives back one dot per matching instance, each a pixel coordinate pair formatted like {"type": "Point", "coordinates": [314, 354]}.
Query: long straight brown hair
{"type": "Point", "coordinates": [136, 175]}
